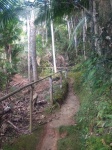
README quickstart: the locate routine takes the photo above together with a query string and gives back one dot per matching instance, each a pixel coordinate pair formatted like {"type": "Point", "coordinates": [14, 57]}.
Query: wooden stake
{"type": "Point", "coordinates": [66, 74]}
{"type": "Point", "coordinates": [60, 79]}
{"type": "Point", "coordinates": [51, 89]}
{"type": "Point", "coordinates": [31, 99]}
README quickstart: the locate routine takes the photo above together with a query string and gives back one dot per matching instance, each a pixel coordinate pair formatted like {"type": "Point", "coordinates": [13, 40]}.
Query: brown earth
{"type": "Point", "coordinates": [65, 116]}
{"type": "Point", "coordinates": [21, 112]}
{"type": "Point", "coordinates": [16, 108]}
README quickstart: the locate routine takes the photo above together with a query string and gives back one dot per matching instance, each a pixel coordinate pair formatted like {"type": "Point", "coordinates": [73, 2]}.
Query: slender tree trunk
{"type": "Point", "coordinates": [92, 25]}
{"type": "Point", "coordinates": [111, 3]}
{"type": "Point", "coordinates": [69, 30]}
{"type": "Point", "coordinates": [10, 54]}
{"type": "Point", "coordinates": [33, 46]}
{"type": "Point", "coordinates": [7, 52]}
{"type": "Point", "coordinates": [95, 25]}
{"type": "Point", "coordinates": [29, 55]}
{"type": "Point", "coordinates": [84, 34]}
{"type": "Point", "coordinates": [84, 38]}
{"type": "Point", "coordinates": [85, 22]}
{"type": "Point", "coordinates": [46, 32]}
{"type": "Point", "coordinates": [7, 58]}
{"type": "Point", "coordinates": [71, 23]}
{"type": "Point", "coordinates": [96, 43]}
{"type": "Point", "coordinates": [53, 44]}
{"type": "Point", "coordinates": [75, 40]}
{"type": "Point", "coordinates": [46, 35]}
{"type": "Point", "coordinates": [53, 47]}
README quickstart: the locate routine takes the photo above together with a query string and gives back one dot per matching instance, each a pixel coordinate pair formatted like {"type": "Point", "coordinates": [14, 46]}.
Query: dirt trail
{"type": "Point", "coordinates": [63, 117]}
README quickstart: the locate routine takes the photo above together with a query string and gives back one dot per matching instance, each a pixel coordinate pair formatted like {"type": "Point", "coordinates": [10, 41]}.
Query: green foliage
{"type": "Point", "coordinates": [9, 50]}
{"type": "Point", "coordinates": [93, 119]}
{"type": "Point", "coordinates": [10, 33]}
{"type": "Point", "coordinates": [96, 75]}
{"type": "Point", "coordinates": [39, 46]}
{"type": "Point", "coordinates": [3, 80]}
{"type": "Point", "coordinates": [61, 38]}
{"type": "Point", "coordinates": [70, 140]}
{"type": "Point", "coordinates": [94, 116]}
{"type": "Point", "coordinates": [8, 11]}
{"type": "Point", "coordinates": [25, 142]}
{"type": "Point", "coordinates": [16, 50]}
{"type": "Point", "coordinates": [78, 81]}
{"type": "Point", "coordinates": [7, 69]}
{"type": "Point", "coordinates": [45, 71]}
{"type": "Point", "coordinates": [60, 95]}
{"type": "Point", "coordinates": [99, 143]}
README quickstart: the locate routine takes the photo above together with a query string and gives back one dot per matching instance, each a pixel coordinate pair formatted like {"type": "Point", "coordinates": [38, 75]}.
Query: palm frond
{"type": "Point", "coordinates": [43, 13]}
{"type": "Point", "coordinates": [53, 10]}
{"type": "Point", "coordinates": [8, 11]}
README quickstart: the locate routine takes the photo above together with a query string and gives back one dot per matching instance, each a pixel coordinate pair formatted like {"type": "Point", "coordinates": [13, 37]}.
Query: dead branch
{"type": "Point", "coordinates": [16, 128]}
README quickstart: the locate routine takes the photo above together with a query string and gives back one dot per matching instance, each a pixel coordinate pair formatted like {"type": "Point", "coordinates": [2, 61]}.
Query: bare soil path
{"type": "Point", "coordinates": [65, 116]}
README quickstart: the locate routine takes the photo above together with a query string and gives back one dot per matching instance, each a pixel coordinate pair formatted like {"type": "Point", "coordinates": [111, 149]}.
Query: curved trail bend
{"type": "Point", "coordinates": [63, 117]}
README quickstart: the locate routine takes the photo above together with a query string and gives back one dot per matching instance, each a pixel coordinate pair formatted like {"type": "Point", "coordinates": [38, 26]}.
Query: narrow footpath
{"type": "Point", "coordinates": [65, 116]}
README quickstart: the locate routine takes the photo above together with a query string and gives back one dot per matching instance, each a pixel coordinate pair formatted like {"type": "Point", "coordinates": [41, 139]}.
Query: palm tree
{"type": "Point", "coordinates": [50, 10]}
{"type": "Point", "coordinates": [8, 11]}
{"type": "Point", "coordinates": [9, 34]}
{"type": "Point", "coordinates": [9, 30]}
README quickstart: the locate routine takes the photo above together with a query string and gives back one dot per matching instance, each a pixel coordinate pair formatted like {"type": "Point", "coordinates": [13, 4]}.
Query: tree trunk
{"type": "Point", "coordinates": [84, 34]}
{"type": "Point", "coordinates": [8, 49]}
{"type": "Point", "coordinates": [96, 43]}
{"type": "Point", "coordinates": [53, 47]}
{"type": "Point", "coordinates": [84, 38]}
{"type": "Point", "coordinates": [71, 23]}
{"type": "Point", "coordinates": [29, 55]}
{"type": "Point", "coordinates": [95, 25]}
{"type": "Point", "coordinates": [46, 32]}
{"type": "Point", "coordinates": [33, 46]}
{"type": "Point", "coordinates": [68, 27]}
{"type": "Point", "coordinates": [92, 25]}
{"type": "Point", "coordinates": [46, 35]}
{"type": "Point", "coordinates": [75, 39]}
{"type": "Point", "coordinates": [10, 54]}
{"type": "Point", "coordinates": [111, 3]}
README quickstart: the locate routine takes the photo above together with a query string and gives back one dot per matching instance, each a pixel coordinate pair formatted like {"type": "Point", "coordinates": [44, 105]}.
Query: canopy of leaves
{"type": "Point", "coordinates": [56, 8]}
{"type": "Point", "coordinates": [8, 11]}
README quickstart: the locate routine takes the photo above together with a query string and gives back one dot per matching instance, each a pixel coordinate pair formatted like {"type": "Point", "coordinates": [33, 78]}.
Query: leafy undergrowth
{"type": "Point", "coordinates": [59, 96]}
{"type": "Point", "coordinates": [25, 142]}
{"type": "Point", "coordinates": [94, 119]}
{"type": "Point", "coordinates": [71, 139]}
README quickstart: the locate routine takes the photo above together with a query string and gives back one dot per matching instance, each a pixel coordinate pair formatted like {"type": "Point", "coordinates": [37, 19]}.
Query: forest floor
{"type": "Point", "coordinates": [63, 117]}
{"type": "Point", "coordinates": [14, 112]}
{"type": "Point", "coordinates": [19, 117]}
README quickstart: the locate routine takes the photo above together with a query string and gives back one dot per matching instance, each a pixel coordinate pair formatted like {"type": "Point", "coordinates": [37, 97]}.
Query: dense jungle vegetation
{"type": "Point", "coordinates": [82, 31]}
